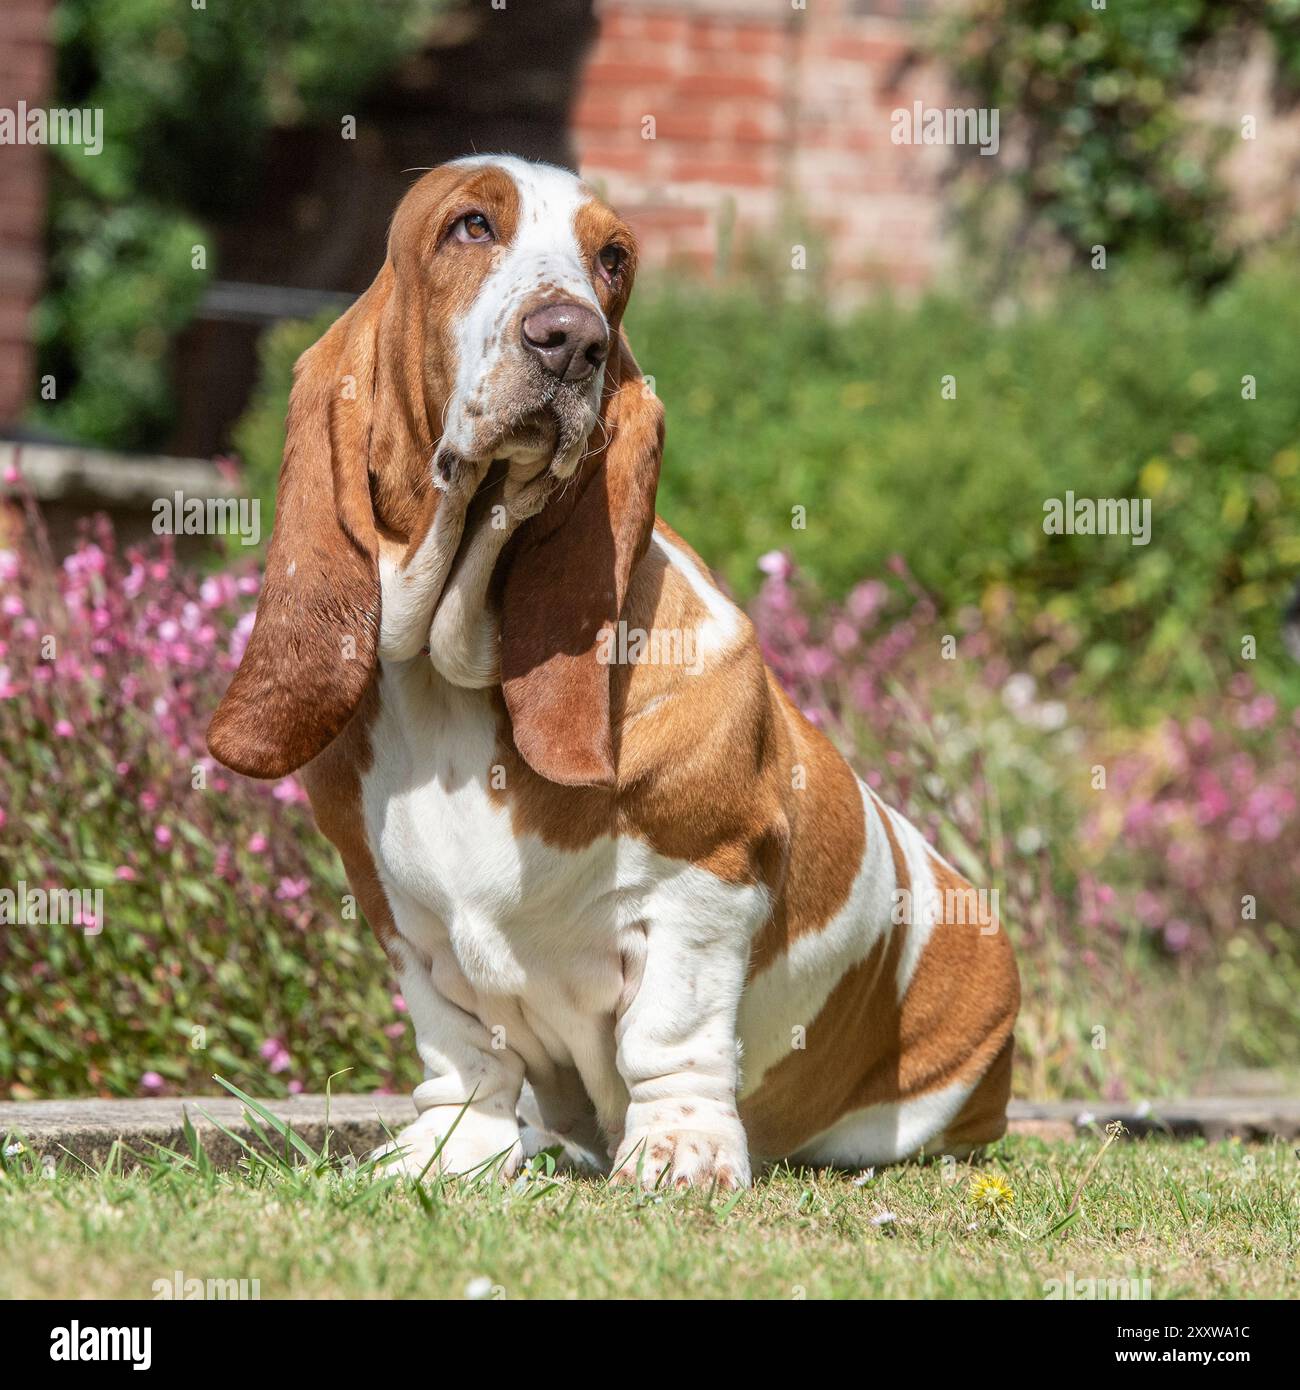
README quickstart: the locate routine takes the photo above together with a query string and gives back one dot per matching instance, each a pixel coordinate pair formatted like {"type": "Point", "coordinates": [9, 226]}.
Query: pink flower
{"type": "Point", "coordinates": [290, 889]}
{"type": "Point", "coordinates": [243, 630]}
{"type": "Point", "coordinates": [866, 600]}
{"type": "Point", "coordinates": [288, 791]}
{"type": "Point", "coordinates": [776, 564]}
{"type": "Point", "coordinates": [1177, 935]}
{"type": "Point", "coordinates": [275, 1055]}
{"type": "Point", "coordinates": [162, 836]}
{"type": "Point", "coordinates": [257, 843]}
{"type": "Point", "coordinates": [151, 1081]}
{"type": "Point", "coordinates": [818, 662]}
{"type": "Point", "coordinates": [64, 729]}
{"type": "Point", "coordinates": [399, 1003]}
{"type": "Point", "coordinates": [124, 873]}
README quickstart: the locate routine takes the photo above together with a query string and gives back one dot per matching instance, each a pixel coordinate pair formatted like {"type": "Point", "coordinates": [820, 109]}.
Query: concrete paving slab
{"type": "Point", "coordinates": [89, 1128]}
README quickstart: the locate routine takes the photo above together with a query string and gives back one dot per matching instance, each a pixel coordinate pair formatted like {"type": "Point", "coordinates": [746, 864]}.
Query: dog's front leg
{"type": "Point", "coordinates": [677, 1056]}
{"type": "Point", "coordinates": [468, 1100]}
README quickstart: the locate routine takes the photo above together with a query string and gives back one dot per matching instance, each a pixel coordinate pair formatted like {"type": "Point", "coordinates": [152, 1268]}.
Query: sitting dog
{"type": "Point", "coordinates": [635, 902]}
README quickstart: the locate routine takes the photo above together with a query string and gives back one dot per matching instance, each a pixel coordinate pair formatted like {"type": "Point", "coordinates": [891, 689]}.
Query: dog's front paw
{"type": "Point", "coordinates": [477, 1145]}
{"type": "Point", "coordinates": [684, 1158]}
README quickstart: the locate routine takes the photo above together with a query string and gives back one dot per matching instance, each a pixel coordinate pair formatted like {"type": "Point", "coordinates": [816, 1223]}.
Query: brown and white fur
{"type": "Point", "coordinates": [642, 907]}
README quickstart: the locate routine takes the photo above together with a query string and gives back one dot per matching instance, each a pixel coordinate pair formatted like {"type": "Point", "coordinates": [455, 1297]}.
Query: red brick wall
{"type": "Point", "coordinates": [26, 74]}
{"type": "Point", "coordinates": [762, 110]}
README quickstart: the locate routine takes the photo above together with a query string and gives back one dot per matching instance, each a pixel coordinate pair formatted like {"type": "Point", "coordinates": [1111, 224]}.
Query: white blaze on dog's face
{"type": "Point", "coordinates": [550, 268]}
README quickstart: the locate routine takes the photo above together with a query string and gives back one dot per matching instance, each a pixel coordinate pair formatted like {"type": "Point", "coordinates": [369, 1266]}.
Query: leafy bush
{"type": "Point", "coordinates": [1119, 387]}
{"type": "Point", "coordinates": [228, 944]}
{"type": "Point", "coordinates": [1102, 149]}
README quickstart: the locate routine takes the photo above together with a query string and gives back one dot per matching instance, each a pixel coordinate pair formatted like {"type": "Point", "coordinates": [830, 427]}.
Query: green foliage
{"type": "Point", "coordinates": [1121, 387]}
{"type": "Point", "coordinates": [1097, 143]}
{"type": "Point", "coordinates": [125, 287]}
{"type": "Point", "coordinates": [188, 98]}
{"type": "Point", "coordinates": [259, 435]}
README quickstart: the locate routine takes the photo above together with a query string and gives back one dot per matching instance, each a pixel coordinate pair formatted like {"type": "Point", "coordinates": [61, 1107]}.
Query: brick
{"type": "Point", "coordinates": [15, 319]}
{"type": "Point", "coordinates": [630, 160]}
{"type": "Point", "coordinates": [618, 24]}
{"type": "Point", "coordinates": [720, 86]}
{"type": "Point", "coordinates": [687, 126]}
{"type": "Point", "coordinates": [21, 269]}
{"type": "Point", "coordinates": [668, 218]}
{"type": "Point", "coordinates": [591, 113]}
{"type": "Point", "coordinates": [664, 27]}
{"type": "Point", "coordinates": [760, 39]}
{"type": "Point", "coordinates": [871, 50]}
{"type": "Point", "coordinates": [604, 71]}
{"type": "Point", "coordinates": [25, 71]}
{"type": "Point", "coordinates": [748, 131]}
{"type": "Point", "coordinates": [27, 23]}
{"type": "Point", "coordinates": [724, 172]}
{"type": "Point", "coordinates": [708, 33]}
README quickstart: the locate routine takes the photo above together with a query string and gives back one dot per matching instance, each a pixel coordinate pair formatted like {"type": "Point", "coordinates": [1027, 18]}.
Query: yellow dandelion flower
{"type": "Point", "coordinates": [991, 1194]}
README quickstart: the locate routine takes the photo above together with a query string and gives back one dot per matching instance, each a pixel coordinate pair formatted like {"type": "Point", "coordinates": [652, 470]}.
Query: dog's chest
{"type": "Point", "coordinates": [517, 912]}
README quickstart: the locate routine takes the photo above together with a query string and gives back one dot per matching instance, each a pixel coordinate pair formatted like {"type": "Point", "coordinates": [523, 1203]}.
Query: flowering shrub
{"type": "Point", "coordinates": [1158, 908]}
{"type": "Point", "coordinates": [227, 943]}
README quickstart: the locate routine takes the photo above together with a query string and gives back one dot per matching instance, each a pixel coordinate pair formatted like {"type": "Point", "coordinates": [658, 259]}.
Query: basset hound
{"type": "Point", "coordinates": [635, 902]}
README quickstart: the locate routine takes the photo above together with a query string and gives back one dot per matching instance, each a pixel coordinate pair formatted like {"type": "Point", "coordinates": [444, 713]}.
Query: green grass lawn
{"type": "Point", "coordinates": [1194, 1219]}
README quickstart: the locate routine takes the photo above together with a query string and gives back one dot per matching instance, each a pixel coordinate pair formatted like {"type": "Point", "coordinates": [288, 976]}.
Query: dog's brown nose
{"type": "Point", "coordinates": [569, 340]}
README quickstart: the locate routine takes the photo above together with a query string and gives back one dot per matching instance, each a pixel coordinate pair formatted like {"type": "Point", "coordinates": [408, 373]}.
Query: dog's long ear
{"type": "Point", "coordinates": [312, 650]}
{"type": "Point", "coordinates": [567, 580]}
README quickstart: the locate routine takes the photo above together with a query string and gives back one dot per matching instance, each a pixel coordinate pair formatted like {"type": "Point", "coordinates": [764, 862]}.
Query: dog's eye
{"type": "Point", "coordinates": [473, 227]}
{"type": "Point", "coordinates": [611, 261]}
